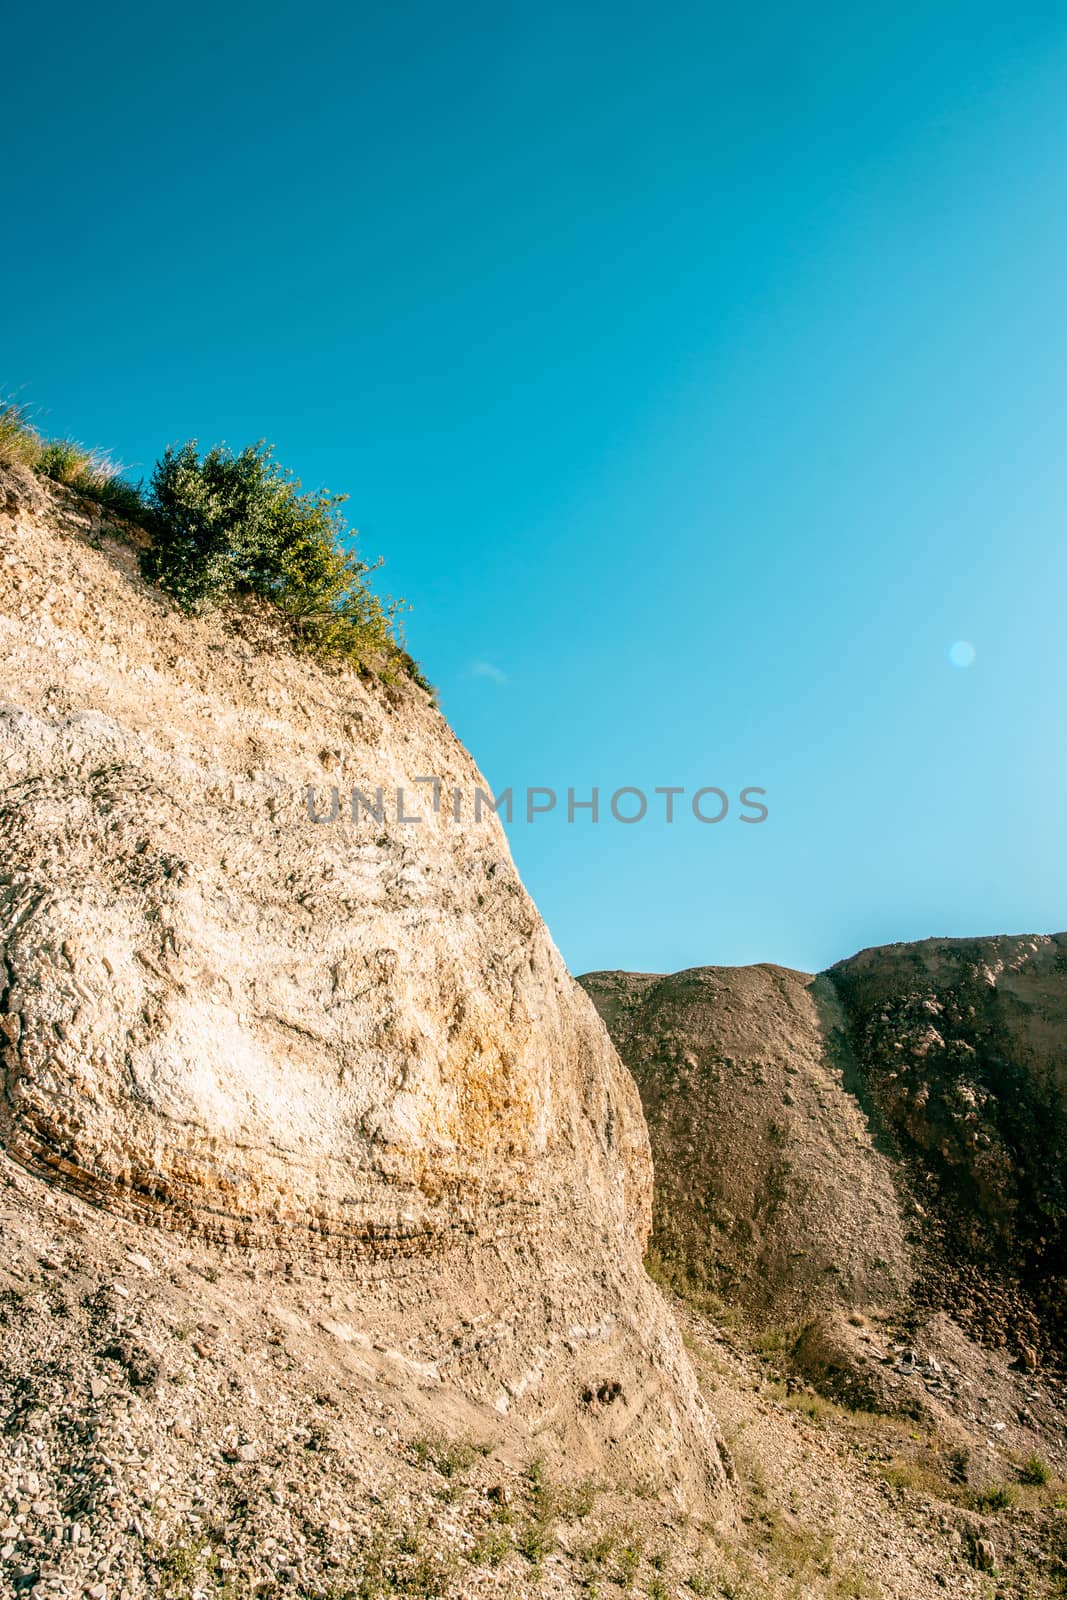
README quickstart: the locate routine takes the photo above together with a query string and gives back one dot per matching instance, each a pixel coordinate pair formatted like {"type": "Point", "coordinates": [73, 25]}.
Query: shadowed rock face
{"type": "Point", "coordinates": [351, 1041]}
{"type": "Point", "coordinates": [890, 1133]}
{"type": "Point", "coordinates": [771, 1190]}
{"type": "Point", "coordinates": [962, 1046]}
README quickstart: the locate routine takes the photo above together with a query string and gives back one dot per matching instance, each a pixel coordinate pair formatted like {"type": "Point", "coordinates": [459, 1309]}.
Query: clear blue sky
{"type": "Point", "coordinates": [700, 371]}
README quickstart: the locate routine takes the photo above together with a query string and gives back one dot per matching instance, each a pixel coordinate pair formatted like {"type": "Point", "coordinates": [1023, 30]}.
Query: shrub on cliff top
{"type": "Point", "coordinates": [225, 525]}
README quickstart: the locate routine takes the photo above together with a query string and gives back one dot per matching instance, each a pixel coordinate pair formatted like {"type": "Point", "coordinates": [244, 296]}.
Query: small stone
{"type": "Point", "coordinates": [985, 1555]}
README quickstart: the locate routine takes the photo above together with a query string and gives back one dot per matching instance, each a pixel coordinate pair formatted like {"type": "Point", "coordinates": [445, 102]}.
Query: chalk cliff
{"type": "Point", "coordinates": [347, 1042]}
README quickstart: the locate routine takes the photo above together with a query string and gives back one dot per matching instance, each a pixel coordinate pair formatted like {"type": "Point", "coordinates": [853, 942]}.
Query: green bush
{"type": "Point", "coordinates": [226, 525]}
{"type": "Point", "coordinates": [1035, 1470]}
{"type": "Point", "coordinates": [998, 1498]}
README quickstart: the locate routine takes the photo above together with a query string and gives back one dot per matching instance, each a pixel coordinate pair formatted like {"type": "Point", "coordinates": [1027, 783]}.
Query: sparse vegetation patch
{"type": "Point", "coordinates": [225, 526]}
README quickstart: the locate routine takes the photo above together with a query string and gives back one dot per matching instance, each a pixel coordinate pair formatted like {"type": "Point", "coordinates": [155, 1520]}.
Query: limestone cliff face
{"type": "Point", "coordinates": [350, 1040]}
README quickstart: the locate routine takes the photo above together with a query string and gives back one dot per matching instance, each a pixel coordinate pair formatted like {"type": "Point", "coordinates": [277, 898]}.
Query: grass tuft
{"type": "Point", "coordinates": [1035, 1470]}
{"type": "Point", "coordinates": [93, 475]}
{"type": "Point", "coordinates": [20, 443]}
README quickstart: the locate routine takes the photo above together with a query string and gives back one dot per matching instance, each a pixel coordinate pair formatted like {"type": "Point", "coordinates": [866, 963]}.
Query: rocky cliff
{"type": "Point", "coordinates": [347, 1043]}
{"type": "Point", "coordinates": [323, 1192]}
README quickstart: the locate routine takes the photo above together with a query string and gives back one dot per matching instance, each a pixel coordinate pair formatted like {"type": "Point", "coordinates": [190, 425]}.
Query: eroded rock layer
{"type": "Point", "coordinates": [352, 1039]}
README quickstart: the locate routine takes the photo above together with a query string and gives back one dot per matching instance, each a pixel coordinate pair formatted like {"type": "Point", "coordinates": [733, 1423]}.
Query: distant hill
{"type": "Point", "coordinates": [890, 1133]}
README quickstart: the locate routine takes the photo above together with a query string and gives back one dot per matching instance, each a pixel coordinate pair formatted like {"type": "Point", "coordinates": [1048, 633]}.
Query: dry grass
{"type": "Point", "coordinates": [20, 443]}
{"type": "Point", "coordinates": [91, 473]}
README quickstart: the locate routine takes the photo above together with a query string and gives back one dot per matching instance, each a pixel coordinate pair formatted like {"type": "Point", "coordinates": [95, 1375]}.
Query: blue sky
{"type": "Point", "coordinates": [700, 372]}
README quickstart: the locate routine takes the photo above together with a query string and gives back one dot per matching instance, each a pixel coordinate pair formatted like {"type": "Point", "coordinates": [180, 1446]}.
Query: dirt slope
{"type": "Point", "coordinates": [961, 1046]}
{"type": "Point", "coordinates": [890, 1133]}
{"type": "Point", "coordinates": [869, 1167]}
{"type": "Point", "coordinates": [771, 1188]}
{"type": "Point", "coordinates": [187, 1420]}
